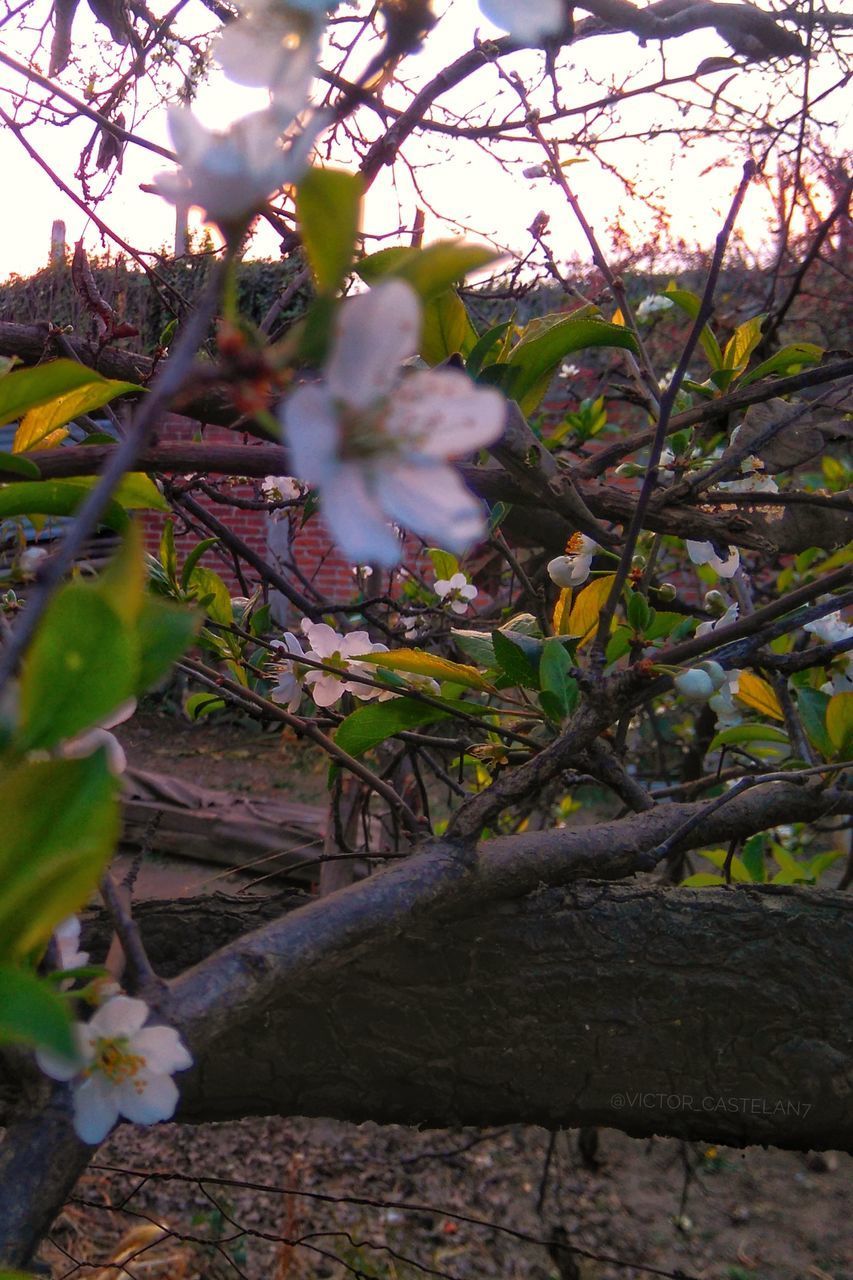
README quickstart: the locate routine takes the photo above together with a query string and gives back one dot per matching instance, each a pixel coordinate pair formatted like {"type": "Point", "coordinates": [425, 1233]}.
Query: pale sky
{"type": "Point", "coordinates": [461, 181]}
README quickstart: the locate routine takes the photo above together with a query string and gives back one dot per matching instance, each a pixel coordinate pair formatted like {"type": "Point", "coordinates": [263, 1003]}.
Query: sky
{"type": "Point", "coordinates": [464, 183]}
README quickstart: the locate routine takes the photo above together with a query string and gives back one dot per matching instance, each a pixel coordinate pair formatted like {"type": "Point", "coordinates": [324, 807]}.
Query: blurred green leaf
{"type": "Point", "coordinates": [446, 328]}
{"type": "Point", "coordinates": [431, 270]}
{"type": "Point", "coordinates": [60, 824]}
{"type": "Point", "coordinates": [80, 666]}
{"type": "Point", "coordinates": [26, 389]}
{"type": "Point", "coordinates": [328, 205]}
{"type": "Point", "coordinates": [32, 1013]}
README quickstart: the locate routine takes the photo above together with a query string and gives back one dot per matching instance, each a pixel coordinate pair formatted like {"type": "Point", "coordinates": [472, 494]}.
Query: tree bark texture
{"type": "Point", "coordinates": [719, 1014]}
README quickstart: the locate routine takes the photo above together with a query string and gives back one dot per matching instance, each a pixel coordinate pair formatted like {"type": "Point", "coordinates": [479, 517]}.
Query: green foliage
{"type": "Point", "coordinates": [368, 726]}
{"type": "Point", "coordinates": [328, 204]}
{"type": "Point", "coordinates": [60, 824]}
{"type": "Point", "coordinates": [429, 271]}
{"type": "Point", "coordinates": [559, 690]}
{"type": "Point", "coordinates": [33, 1013]}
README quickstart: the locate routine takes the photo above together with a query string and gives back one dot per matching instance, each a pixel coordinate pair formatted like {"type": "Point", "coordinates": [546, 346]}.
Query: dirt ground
{"type": "Point", "coordinates": [294, 1199]}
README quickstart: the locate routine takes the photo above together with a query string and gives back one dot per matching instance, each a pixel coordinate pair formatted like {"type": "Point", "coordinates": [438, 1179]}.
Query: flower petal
{"type": "Point", "coordinates": [432, 501]}
{"type": "Point", "coordinates": [355, 520]}
{"type": "Point", "coordinates": [95, 1108]}
{"type": "Point", "coordinates": [163, 1050]}
{"type": "Point", "coordinates": [527, 23]}
{"type": "Point", "coordinates": [155, 1100]}
{"type": "Point", "coordinates": [312, 432]}
{"type": "Point", "coordinates": [120, 1016]}
{"type": "Point", "coordinates": [443, 414]}
{"type": "Point", "coordinates": [375, 333]}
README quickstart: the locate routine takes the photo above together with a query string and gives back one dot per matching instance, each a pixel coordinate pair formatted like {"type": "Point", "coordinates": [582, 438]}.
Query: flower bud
{"type": "Point", "coordinates": [714, 672]}
{"type": "Point", "coordinates": [715, 600]}
{"type": "Point", "coordinates": [666, 591]}
{"type": "Point", "coordinates": [694, 686]}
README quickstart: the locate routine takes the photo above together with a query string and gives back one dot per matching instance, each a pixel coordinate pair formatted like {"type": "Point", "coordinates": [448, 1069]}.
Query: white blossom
{"type": "Point", "coordinates": [574, 567]}
{"type": "Point", "coordinates": [653, 305]}
{"type": "Point", "coordinates": [282, 488]}
{"type": "Point", "coordinates": [377, 439]}
{"type": "Point", "coordinates": [66, 935]}
{"type": "Point", "coordinates": [274, 45]}
{"type": "Point", "coordinates": [288, 690]}
{"type": "Point", "coordinates": [30, 559]}
{"type": "Point", "coordinates": [694, 686]}
{"type": "Point", "coordinates": [122, 1068]}
{"type": "Point", "coordinates": [830, 628]}
{"type": "Point", "coordinates": [457, 592]}
{"type": "Point", "coordinates": [729, 616]}
{"type": "Point", "coordinates": [337, 651]}
{"type": "Point", "coordinates": [528, 23]}
{"type": "Point", "coordinates": [704, 553]}
{"type": "Point", "coordinates": [723, 703]}
{"type": "Point", "coordinates": [231, 174]}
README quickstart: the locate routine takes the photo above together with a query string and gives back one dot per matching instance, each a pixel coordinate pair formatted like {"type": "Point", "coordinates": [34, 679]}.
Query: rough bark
{"type": "Point", "coordinates": [716, 1014]}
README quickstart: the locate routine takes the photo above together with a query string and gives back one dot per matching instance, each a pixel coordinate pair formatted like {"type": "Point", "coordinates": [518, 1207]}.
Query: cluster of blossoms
{"type": "Point", "coordinates": [121, 1066]}
{"type": "Point", "coordinates": [335, 651]}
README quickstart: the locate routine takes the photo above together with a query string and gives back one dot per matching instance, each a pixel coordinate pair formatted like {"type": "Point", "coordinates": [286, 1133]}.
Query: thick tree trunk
{"type": "Point", "coordinates": [716, 1014]}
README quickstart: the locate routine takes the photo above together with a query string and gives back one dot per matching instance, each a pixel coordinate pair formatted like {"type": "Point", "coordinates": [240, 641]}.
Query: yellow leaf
{"type": "Point", "coordinates": [587, 607]}
{"type": "Point", "coordinates": [562, 612]}
{"type": "Point", "coordinates": [37, 427]}
{"type": "Point", "coordinates": [839, 720]}
{"type": "Point", "coordinates": [618, 317]}
{"type": "Point", "coordinates": [428, 664]}
{"type": "Point", "coordinates": [757, 693]}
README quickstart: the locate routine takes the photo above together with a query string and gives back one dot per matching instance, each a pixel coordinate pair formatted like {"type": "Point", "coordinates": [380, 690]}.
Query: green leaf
{"type": "Point", "coordinates": [328, 206]}
{"type": "Point", "coordinates": [199, 705]}
{"type": "Point", "coordinates": [164, 631]}
{"type": "Point", "coordinates": [428, 664]}
{"type": "Point", "coordinates": [476, 645]}
{"type": "Point", "coordinates": [52, 498]}
{"type": "Point", "coordinates": [538, 357]}
{"type": "Point", "coordinates": [444, 563]}
{"type": "Point", "coordinates": [559, 688]}
{"type": "Point", "coordinates": [168, 553]}
{"type": "Point", "coordinates": [207, 587]}
{"type": "Point", "coordinates": [639, 611]}
{"type": "Point", "coordinates": [431, 270]}
{"type": "Point", "coordinates": [81, 665]}
{"type": "Point", "coordinates": [446, 328]}
{"type": "Point", "coordinates": [484, 347]}
{"type": "Point", "coordinates": [702, 880]}
{"type": "Point", "coordinates": [741, 734]}
{"type": "Point", "coordinates": [742, 343]}
{"type": "Point", "coordinates": [370, 725]}
{"type": "Point", "coordinates": [193, 558]}
{"type": "Point", "coordinates": [662, 624]}
{"type": "Point", "coordinates": [122, 583]}
{"type": "Point", "coordinates": [12, 464]}
{"type": "Point", "coordinates": [137, 492]}
{"type": "Point", "coordinates": [40, 423]}
{"type": "Point", "coordinates": [514, 662]}
{"type": "Point", "coordinates": [690, 303]}
{"type": "Point", "coordinates": [791, 357]}
{"type": "Point", "coordinates": [28, 388]}
{"type": "Point", "coordinates": [60, 824]}
{"type": "Point", "coordinates": [839, 723]}
{"type": "Point", "coordinates": [753, 858]}
{"type": "Point", "coordinates": [32, 1013]}
{"type": "Point", "coordinates": [812, 706]}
